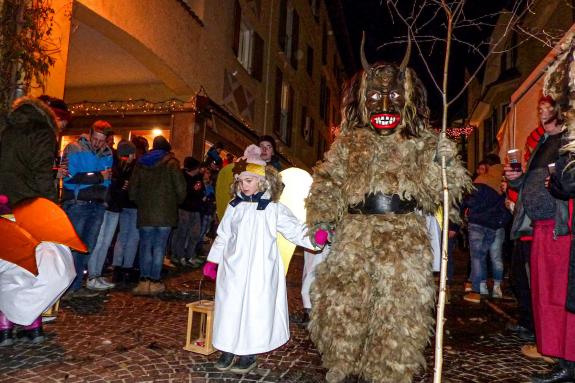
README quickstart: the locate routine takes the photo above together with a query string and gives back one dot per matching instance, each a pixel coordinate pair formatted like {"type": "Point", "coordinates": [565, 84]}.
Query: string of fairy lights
{"type": "Point", "coordinates": [92, 108]}
{"type": "Point", "coordinates": [458, 132]}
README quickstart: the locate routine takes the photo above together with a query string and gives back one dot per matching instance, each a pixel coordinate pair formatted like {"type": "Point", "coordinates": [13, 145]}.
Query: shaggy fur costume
{"type": "Point", "coordinates": [373, 296]}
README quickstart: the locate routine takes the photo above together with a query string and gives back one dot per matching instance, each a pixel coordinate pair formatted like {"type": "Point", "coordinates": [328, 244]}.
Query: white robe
{"type": "Point", "coordinates": [251, 310]}
{"type": "Point", "coordinates": [23, 296]}
{"type": "Point", "coordinates": [311, 261]}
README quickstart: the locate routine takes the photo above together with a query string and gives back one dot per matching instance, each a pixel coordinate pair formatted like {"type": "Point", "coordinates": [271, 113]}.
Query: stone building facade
{"type": "Point", "coordinates": [203, 71]}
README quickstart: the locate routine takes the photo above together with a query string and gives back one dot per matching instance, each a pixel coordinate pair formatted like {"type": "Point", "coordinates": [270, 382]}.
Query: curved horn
{"type": "Point", "coordinates": [407, 53]}
{"type": "Point", "coordinates": [364, 62]}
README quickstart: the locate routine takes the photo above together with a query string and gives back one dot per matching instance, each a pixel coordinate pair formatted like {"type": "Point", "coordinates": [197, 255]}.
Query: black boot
{"type": "Point", "coordinates": [244, 364]}
{"type": "Point", "coordinates": [35, 335]}
{"type": "Point", "coordinates": [563, 372]}
{"type": "Point", "coordinates": [6, 337]}
{"type": "Point", "coordinates": [225, 361]}
{"type": "Point", "coordinates": [118, 275]}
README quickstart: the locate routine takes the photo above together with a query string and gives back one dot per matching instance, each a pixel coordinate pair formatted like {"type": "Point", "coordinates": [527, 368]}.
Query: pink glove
{"type": "Point", "coordinates": [211, 270]}
{"type": "Point", "coordinates": [321, 237]}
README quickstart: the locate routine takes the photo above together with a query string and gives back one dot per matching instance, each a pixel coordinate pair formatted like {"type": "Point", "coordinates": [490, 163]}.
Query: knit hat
{"type": "Point", "coordinates": [160, 143]}
{"type": "Point", "coordinates": [58, 106]}
{"type": "Point", "coordinates": [190, 163]}
{"type": "Point", "coordinates": [251, 163]}
{"type": "Point", "coordinates": [125, 148]}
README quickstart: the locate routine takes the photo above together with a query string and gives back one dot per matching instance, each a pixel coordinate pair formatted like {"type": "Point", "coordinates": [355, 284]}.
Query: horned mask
{"type": "Point", "coordinates": [391, 98]}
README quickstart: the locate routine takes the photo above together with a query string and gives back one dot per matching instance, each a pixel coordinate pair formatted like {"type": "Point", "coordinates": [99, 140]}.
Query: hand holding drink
{"type": "Point", "coordinates": [514, 159]}
{"type": "Point", "coordinates": [513, 168]}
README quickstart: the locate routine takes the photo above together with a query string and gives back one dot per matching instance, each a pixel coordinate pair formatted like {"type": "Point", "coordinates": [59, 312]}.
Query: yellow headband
{"type": "Point", "coordinates": [260, 170]}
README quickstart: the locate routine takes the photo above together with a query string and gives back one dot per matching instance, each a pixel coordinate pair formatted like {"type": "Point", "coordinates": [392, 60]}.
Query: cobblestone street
{"type": "Point", "coordinates": [118, 337]}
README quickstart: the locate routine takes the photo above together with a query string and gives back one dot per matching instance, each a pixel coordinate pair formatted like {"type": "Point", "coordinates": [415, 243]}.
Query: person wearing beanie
{"type": "Point", "coordinates": [128, 238]}
{"type": "Point", "coordinates": [157, 186]}
{"type": "Point", "coordinates": [122, 167]}
{"type": "Point", "coordinates": [213, 154]}
{"type": "Point", "coordinates": [251, 311]}
{"type": "Point", "coordinates": [161, 143]}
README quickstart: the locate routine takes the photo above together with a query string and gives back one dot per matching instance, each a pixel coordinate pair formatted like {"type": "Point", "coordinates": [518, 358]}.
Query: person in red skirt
{"type": "Point", "coordinates": [546, 217]}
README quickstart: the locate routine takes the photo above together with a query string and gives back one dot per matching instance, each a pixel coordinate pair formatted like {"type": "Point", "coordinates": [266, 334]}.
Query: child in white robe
{"type": "Point", "coordinates": [251, 310]}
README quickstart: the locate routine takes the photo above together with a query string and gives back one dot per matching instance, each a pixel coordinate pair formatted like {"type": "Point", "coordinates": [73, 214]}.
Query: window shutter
{"type": "Point", "coordinates": [295, 38]}
{"type": "Point", "coordinates": [237, 23]}
{"type": "Point", "coordinates": [278, 102]}
{"type": "Point", "coordinates": [282, 25]}
{"type": "Point", "coordinates": [258, 57]}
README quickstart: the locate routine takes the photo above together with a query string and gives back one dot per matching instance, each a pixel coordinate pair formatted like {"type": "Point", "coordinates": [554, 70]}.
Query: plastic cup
{"type": "Point", "coordinates": [514, 157]}
{"type": "Point", "coordinates": [551, 168]}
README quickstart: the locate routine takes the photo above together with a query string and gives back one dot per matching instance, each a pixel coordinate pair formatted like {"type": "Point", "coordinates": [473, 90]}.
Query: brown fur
{"type": "Point", "coordinates": [373, 296]}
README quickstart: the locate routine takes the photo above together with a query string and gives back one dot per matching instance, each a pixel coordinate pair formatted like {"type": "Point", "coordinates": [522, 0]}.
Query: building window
{"type": "Point", "coordinates": [248, 46]}
{"type": "Point", "coordinates": [324, 45]}
{"type": "Point", "coordinates": [307, 126]}
{"type": "Point", "coordinates": [320, 147]}
{"type": "Point", "coordinates": [289, 33]}
{"type": "Point", "coordinates": [309, 64]}
{"type": "Point", "coordinates": [314, 5]}
{"type": "Point", "coordinates": [324, 101]}
{"type": "Point", "coordinates": [284, 100]}
{"type": "Point", "coordinates": [282, 35]}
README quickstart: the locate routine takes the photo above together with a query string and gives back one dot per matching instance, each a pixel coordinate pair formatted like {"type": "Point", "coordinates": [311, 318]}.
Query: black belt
{"type": "Point", "coordinates": [380, 203]}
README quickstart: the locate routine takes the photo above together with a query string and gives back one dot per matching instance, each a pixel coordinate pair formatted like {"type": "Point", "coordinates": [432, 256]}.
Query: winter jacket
{"type": "Point", "coordinates": [119, 195]}
{"type": "Point", "coordinates": [486, 204]}
{"type": "Point", "coordinates": [85, 165]}
{"type": "Point", "coordinates": [487, 208]}
{"type": "Point", "coordinates": [157, 186]}
{"type": "Point", "coordinates": [521, 222]}
{"type": "Point", "coordinates": [27, 152]}
{"type": "Point", "coordinates": [194, 193]}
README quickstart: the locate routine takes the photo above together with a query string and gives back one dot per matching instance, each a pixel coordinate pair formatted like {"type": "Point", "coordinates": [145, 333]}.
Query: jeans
{"type": "Point", "coordinates": [153, 241]}
{"type": "Point", "coordinates": [187, 234]}
{"type": "Point", "coordinates": [483, 240]}
{"type": "Point", "coordinates": [98, 256]}
{"type": "Point", "coordinates": [86, 217]}
{"type": "Point", "coordinates": [128, 238]}
{"type": "Point", "coordinates": [205, 226]}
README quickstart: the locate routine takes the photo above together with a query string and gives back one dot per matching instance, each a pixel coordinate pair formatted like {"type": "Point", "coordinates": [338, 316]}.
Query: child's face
{"type": "Point", "coordinates": [249, 185]}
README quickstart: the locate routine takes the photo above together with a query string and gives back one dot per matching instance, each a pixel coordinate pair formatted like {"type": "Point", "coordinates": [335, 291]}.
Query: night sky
{"type": "Point", "coordinates": [373, 17]}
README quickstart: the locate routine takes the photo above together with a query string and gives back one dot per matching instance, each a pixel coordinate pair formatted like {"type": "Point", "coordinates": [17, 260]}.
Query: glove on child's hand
{"type": "Point", "coordinates": [321, 237]}
{"type": "Point", "coordinates": [211, 270]}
